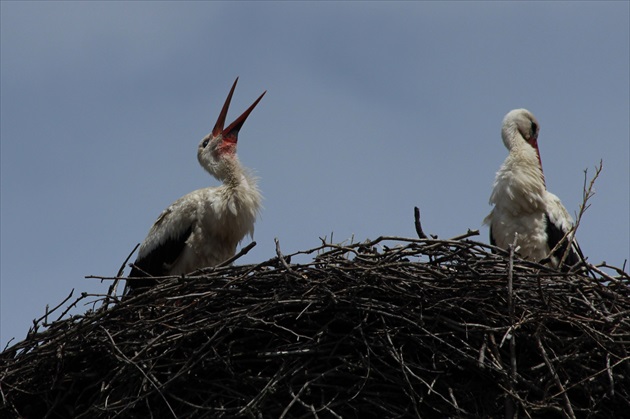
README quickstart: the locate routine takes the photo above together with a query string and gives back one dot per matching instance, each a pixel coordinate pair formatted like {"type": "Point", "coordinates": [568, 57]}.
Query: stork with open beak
{"type": "Point", "coordinates": [203, 228]}
{"type": "Point", "coordinates": [523, 208]}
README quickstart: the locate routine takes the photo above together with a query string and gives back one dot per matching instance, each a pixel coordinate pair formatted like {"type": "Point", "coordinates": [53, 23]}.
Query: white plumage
{"type": "Point", "coordinates": [523, 208]}
{"type": "Point", "coordinates": [204, 227]}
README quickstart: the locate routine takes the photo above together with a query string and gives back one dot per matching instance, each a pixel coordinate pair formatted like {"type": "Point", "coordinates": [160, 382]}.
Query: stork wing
{"type": "Point", "coordinates": [559, 223]}
{"type": "Point", "coordinates": [493, 242]}
{"type": "Point", "coordinates": [488, 221]}
{"type": "Point", "coordinates": [164, 243]}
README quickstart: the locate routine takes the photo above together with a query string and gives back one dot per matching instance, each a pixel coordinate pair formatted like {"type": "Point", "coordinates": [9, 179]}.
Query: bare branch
{"type": "Point", "coordinates": [416, 215]}
{"type": "Point", "coordinates": [587, 194]}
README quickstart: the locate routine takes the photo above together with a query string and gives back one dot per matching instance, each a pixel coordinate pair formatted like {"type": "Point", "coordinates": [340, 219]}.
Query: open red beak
{"type": "Point", "coordinates": [231, 132]}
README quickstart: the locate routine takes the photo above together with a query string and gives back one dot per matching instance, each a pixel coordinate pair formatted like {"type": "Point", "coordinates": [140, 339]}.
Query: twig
{"type": "Point", "coordinates": [45, 316]}
{"type": "Point", "coordinates": [112, 289]}
{"type": "Point", "coordinates": [569, 237]}
{"type": "Point", "coordinates": [510, 406]}
{"type": "Point", "coordinates": [280, 257]}
{"type": "Point", "coordinates": [416, 215]}
{"type": "Point", "coordinates": [227, 262]}
{"type": "Point", "coordinates": [556, 378]}
{"type": "Point", "coordinates": [469, 233]}
{"type": "Point", "coordinates": [129, 361]}
{"type": "Point", "coordinates": [245, 250]}
{"type": "Point", "coordinates": [611, 378]}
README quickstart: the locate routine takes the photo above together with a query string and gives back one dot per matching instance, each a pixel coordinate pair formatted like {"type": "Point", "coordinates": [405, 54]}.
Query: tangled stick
{"type": "Point", "coordinates": [391, 327]}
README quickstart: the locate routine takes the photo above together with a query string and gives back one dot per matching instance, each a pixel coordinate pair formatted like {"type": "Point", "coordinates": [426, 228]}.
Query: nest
{"type": "Point", "coordinates": [386, 328]}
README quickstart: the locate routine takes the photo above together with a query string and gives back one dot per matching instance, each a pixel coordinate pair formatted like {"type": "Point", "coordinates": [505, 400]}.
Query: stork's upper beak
{"type": "Point", "coordinates": [231, 132]}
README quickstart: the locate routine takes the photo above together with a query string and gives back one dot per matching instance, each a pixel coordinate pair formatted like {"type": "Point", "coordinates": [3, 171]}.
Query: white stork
{"type": "Point", "coordinates": [523, 208]}
{"type": "Point", "coordinates": [203, 228]}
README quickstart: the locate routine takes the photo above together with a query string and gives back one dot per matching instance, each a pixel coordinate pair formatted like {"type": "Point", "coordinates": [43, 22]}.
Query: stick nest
{"type": "Point", "coordinates": [387, 328]}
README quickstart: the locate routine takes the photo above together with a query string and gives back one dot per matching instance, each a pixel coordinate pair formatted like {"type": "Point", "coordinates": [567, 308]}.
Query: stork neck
{"type": "Point", "coordinates": [522, 149]}
{"type": "Point", "coordinates": [233, 174]}
{"type": "Point", "coordinates": [239, 194]}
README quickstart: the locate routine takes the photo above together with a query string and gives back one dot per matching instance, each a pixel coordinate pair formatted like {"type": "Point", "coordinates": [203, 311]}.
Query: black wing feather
{"type": "Point", "coordinates": [554, 236]}
{"type": "Point", "coordinates": [155, 262]}
{"type": "Point", "coordinates": [492, 241]}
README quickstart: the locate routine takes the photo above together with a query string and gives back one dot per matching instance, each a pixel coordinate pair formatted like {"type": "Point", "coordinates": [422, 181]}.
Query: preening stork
{"type": "Point", "coordinates": [204, 227]}
{"type": "Point", "coordinates": [523, 208]}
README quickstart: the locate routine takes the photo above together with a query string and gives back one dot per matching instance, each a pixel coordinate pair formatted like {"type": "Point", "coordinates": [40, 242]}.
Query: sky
{"type": "Point", "coordinates": [372, 108]}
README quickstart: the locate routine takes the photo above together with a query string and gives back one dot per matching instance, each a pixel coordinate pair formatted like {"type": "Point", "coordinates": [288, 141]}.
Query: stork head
{"type": "Point", "coordinates": [219, 147]}
{"type": "Point", "coordinates": [520, 128]}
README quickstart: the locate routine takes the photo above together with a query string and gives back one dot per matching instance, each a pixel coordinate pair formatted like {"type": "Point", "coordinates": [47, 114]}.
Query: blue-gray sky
{"type": "Point", "coordinates": [372, 108]}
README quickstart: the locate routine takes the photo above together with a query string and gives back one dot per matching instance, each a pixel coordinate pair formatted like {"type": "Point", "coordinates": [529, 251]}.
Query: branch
{"type": "Point", "coordinates": [45, 316]}
{"type": "Point", "coordinates": [509, 401]}
{"type": "Point", "coordinates": [556, 378]}
{"type": "Point", "coordinates": [280, 257]}
{"type": "Point", "coordinates": [416, 215]}
{"type": "Point", "coordinates": [245, 250]}
{"type": "Point", "coordinates": [112, 289]}
{"type": "Point", "coordinates": [587, 194]}
{"type": "Point", "coordinates": [469, 233]}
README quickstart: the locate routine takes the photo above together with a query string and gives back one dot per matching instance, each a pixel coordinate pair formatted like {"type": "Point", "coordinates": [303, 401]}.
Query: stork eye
{"type": "Point", "coordinates": [534, 128]}
{"type": "Point", "coordinates": [205, 142]}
